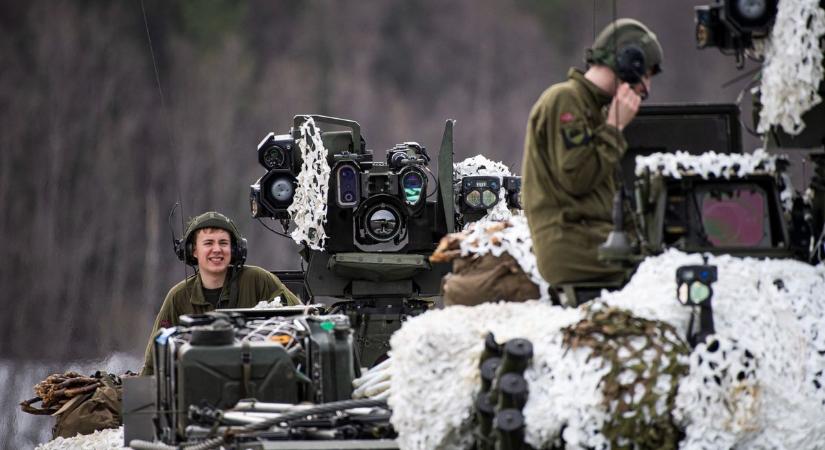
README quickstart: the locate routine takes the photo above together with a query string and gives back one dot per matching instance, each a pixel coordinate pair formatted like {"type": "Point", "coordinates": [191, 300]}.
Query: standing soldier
{"type": "Point", "coordinates": [213, 245]}
{"type": "Point", "coordinates": [573, 148]}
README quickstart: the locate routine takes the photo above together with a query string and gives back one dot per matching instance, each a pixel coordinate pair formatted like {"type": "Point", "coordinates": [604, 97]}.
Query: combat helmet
{"type": "Point", "coordinates": [629, 48]}
{"type": "Point", "coordinates": [184, 247]}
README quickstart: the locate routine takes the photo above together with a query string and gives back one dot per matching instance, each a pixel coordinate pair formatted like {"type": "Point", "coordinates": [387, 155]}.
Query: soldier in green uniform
{"type": "Point", "coordinates": [573, 147]}
{"type": "Point", "coordinates": [214, 247]}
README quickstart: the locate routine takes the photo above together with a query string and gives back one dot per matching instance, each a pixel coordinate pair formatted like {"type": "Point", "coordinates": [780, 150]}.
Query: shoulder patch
{"type": "Point", "coordinates": [575, 135]}
{"type": "Point", "coordinates": [566, 117]}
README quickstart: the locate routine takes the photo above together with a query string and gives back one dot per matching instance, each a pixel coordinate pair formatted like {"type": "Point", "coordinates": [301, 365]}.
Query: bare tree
{"type": "Point", "coordinates": [92, 162]}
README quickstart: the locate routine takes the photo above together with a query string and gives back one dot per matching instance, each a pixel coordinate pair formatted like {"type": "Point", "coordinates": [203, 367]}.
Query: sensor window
{"type": "Point", "coordinates": [347, 186]}
{"type": "Point", "coordinates": [282, 189]}
{"type": "Point", "coordinates": [735, 216]}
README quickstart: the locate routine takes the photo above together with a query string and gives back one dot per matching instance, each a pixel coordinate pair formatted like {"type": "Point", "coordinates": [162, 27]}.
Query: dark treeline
{"type": "Point", "coordinates": [92, 156]}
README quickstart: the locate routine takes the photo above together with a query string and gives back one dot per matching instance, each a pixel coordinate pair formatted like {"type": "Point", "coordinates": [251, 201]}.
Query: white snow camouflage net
{"type": "Point", "coordinates": [718, 165]}
{"type": "Point", "coordinates": [792, 70]}
{"type": "Point", "coordinates": [514, 240]}
{"type": "Point", "coordinates": [708, 164]}
{"type": "Point", "coordinates": [769, 360]}
{"type": "Point", "coordinates": [479, 165]}
{"type": "Point", "coordinates": [109, 439]}
{"type": "Point", "coordinates": [309, 207]}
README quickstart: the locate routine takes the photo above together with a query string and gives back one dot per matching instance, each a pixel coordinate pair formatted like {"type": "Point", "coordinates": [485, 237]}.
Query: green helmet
{"type": "Point", "coordinates": [184, 248]}
{"type": "Point", "coordinates": [629, 48]}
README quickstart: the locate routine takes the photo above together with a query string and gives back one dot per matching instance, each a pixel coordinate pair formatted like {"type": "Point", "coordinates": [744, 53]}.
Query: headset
{"type": "Point", "coordinates": [185, 247]}
{"type": "Point", "coordinates": [627, 60]}
{"type": "Point", "coordinates": [630, 64]}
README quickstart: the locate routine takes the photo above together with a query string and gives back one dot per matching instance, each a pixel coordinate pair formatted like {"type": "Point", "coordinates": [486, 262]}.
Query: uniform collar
{"type": "Point", "coordinates": [599, 96]}
{"type": "Point", "coordinates": [196, 293]}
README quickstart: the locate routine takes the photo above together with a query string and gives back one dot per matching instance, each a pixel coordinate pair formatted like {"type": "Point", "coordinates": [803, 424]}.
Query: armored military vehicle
{"type": "Point", "coordinates": [381, 225]}
{"type": "Point", "coordinates": [367, 226]}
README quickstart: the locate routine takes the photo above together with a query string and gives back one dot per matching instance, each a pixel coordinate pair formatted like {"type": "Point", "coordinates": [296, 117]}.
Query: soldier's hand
{"type": "Point", "coordinates": [624, 106]}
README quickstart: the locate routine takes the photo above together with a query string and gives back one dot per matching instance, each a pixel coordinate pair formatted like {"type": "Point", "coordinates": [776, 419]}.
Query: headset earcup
{"type": "Point", "coordinates": [184, 251]}
{"type": "Point", "coordinates": [239, 252]}
{"type": "Point", "coordinates": [190, 253]}
{"type": "Point", "coordinates": [630, 64]}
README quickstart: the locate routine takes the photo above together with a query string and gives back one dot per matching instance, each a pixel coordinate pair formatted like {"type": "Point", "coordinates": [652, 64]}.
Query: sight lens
{"type": "Point", "coordinates": [473, 199]}
{"type": "Point", "coordinates": [274, 157]}
{"type": "Point", "coordinates": [282, 189]}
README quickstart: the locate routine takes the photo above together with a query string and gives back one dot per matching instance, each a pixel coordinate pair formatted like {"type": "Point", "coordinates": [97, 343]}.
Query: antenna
{"type": "Point", "coordinates": [168, 123]}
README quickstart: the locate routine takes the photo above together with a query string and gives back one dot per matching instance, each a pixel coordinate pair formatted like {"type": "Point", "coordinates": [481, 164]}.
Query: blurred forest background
{"type": "Point", "coordinates": [93, 155]}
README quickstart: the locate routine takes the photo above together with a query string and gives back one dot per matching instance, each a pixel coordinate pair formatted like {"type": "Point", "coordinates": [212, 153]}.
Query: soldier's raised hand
{"type": "Point", "coordinates": [624, 106]}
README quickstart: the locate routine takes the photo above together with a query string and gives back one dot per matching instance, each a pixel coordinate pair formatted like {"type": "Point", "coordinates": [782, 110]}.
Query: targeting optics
{"type": "Point", "coordinates": [275, 152]}
{"type": "Point", "coordinates": [347, 185]}
{"type": "Point", "coordinates": [413, 186]}
{"type": "Point", "coordinates": [749, 16]}
{"type": "Point", "coordinates": [272, 194]}
{"type": "Point", "coordinates": [383, 220]}
{"type": "Point", "coordinates": [732, 24]}
{"type": "Point", "coordinates": [407, 154]}
{"type": "Point", "coordinates": [391, 196]}
{"type": "Point", "coordinates": [693, 284]}
{"type": "Point", "coordinates": [479, 193]}
{"type": "Point", "coordinates": [373, 205]}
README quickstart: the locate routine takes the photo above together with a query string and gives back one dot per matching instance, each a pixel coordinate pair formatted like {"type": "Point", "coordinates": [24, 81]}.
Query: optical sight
{"type": "Point", "coordinates": [731, 25]}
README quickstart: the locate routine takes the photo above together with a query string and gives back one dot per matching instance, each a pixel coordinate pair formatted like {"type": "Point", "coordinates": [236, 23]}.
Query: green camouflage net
{"type": "Point", "coordinates": [647, 359]}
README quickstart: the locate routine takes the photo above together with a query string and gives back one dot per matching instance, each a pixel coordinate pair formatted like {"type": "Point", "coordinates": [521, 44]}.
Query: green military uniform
{"type": "Point", "coordinates": [247, 287]}
{"type": "Point", "coordinates": [570, 160]}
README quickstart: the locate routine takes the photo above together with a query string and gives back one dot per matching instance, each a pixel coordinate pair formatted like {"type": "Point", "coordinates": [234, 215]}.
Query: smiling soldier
{"type": "Point", "coordinates": [214, 247]}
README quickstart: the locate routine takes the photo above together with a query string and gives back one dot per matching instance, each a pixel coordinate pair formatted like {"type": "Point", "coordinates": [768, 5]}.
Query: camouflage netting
{"type": "Point", "coordinates": [792, 71]}
{"type": "Point", "coordinates": [708, 164]}
{"type": "Point", "coordinates": [511, 237]}
{"type": "Point", "coordinates": [109, 439]}
{"type": "Point", "coordinates": [479, 165]}
{"type": "Point", "coordinates": [308, 210]}
{"type": "Point", "coordinates": [435, 366]}
{"type": "Point", "coordinates": [646, 360]}
{"type": "Point", "coordinates": [758, 383]}
{"type": "Point", "coordinates": [717, 165]}
{"type": "Point", "coordinates": [728, 375]}
{"type": "Point", "coordinates": [762, 385]}
{"type": "Point", "coordinates": [598, 376]}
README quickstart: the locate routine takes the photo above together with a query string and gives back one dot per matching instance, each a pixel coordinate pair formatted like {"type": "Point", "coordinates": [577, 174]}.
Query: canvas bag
{"type": "Point", "coordinates": [88, 413]}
